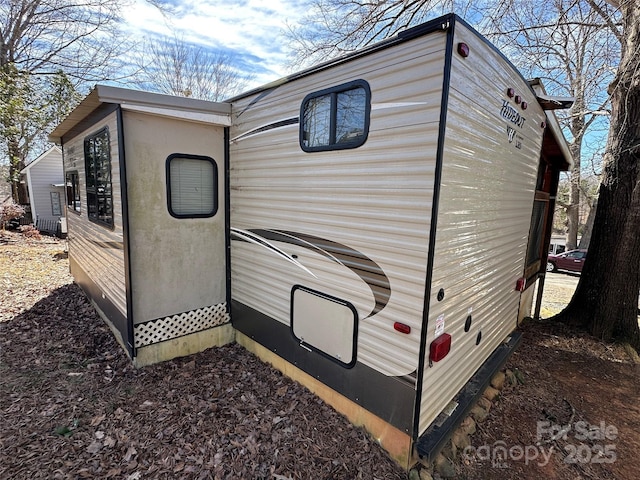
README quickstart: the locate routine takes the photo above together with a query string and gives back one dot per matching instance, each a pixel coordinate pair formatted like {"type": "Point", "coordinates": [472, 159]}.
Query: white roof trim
{"type": "Point", "coordinates": [192, 109]}
{"type": "Point", "coordinates": [43, 155]}
{"type": "Point", "coordinates": [549, 104]}
{"type": "Point", "coordinates": [201, 117]}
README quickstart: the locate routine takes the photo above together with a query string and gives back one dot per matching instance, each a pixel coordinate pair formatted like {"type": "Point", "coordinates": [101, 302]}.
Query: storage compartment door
{"type": "Point", "coordinates": [324, 324]}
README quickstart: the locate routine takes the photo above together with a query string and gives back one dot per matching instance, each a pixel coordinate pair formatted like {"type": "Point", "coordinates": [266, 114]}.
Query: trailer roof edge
{"type": "Point", "coordinates": [141, 101]}
{"type": "Point", "coordinates": [442, 23]}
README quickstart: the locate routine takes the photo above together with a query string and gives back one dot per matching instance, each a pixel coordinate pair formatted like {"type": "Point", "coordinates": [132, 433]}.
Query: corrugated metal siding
{"type": "Point", "coordinates": [375, 199]}
{"type": "Point", "coordinates": [46, 173]}
{"type": "Point", "coordinates": [96, 248]}
{"type": "Point", "coordinates": [486, 199]}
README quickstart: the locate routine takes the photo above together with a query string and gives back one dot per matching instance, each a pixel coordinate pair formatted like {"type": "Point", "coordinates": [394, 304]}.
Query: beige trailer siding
{"type": "Point", "coordinates": [375, 199]}
{"type": "Point", "coordinates": [484, 213]}
{"type": "Point", "coordinates": [97, 249]}
{"type": "Point", "coordinates": [177, 264]}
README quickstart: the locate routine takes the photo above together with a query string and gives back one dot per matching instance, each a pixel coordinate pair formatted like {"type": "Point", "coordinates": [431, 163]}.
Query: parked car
{"type": "Point", "coordinates": [572, 261]}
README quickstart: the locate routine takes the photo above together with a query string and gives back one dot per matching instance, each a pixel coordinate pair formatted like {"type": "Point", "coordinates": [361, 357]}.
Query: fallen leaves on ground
{"type": "Point", "coordinates": [73, 406]}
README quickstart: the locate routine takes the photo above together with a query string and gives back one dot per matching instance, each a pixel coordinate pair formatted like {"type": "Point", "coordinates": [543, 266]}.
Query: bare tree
{"type": "Point", "coordinates": [44, 44]}
{"type": "Point", "coordinates": [176, 67]}
{"type": "Point", "coordinates": [606, 299]}
{"type": "Point", "coordinates": [43, 37]}
{"type": "Point", "coordinates": [334, 27]}
{"type": "Point", "coordinates": [569, 45]}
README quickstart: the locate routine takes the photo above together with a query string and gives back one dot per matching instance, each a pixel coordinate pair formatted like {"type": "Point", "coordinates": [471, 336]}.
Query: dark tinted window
{"type": "Point", "coordinates": [336, 118]}
{"type": "Point", "coordinates": [97, 160]}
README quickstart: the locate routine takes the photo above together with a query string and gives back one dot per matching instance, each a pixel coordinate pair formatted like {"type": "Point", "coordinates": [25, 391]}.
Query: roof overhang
{"type": "Point", "coordinates": [548, 102]}
{"type": "Point", "coordinates": [554, 143]}
{"type": "Point", "coordinates": [189, 109]}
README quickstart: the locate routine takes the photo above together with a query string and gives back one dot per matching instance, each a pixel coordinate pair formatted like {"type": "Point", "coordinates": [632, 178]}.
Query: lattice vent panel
{"type": "Point", "coordinates": [167, 328]}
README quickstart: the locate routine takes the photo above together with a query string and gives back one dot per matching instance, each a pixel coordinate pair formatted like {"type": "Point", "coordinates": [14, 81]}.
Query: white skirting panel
{"type": "Point", "coordinates": [175, 326]}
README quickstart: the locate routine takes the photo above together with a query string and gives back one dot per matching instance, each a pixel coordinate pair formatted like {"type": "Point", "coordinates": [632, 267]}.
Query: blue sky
{"type": "Point", "coordinates": [248, 30]}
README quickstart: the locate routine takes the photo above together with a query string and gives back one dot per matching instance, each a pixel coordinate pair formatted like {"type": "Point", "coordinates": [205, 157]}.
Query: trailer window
{"type": "Point", "coordinates": [73, 191]}
{"type": "Point", "coordinates": [97, 160]}
{"type": "Point", "coordinates": [336, 118]}
{"type": "Point", "coordinates": [192, 186]}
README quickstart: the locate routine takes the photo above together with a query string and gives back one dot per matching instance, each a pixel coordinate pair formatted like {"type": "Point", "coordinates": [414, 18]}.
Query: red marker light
{"type": "Point", "coordinates": [510, 92]}
{"type": "Point", "coordinates": [524, 105]}
{"type": "Point", "coordinates": [518, 99]}
{"type": "Point", "coordinates": [521, 284]}
{"type": "Point", "coordinates": [463, 50]}
{"type": "Point", "coordinates": [402, 328]}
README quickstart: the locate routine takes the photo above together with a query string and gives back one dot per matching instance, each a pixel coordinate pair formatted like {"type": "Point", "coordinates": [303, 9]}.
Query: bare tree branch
{"type": "Point", "coordinates": [173, 66]}
{"type": "Point", "coordinates": [334, 27]}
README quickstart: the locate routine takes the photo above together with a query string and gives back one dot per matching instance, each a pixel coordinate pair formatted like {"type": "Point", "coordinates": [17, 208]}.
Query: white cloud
{"type": "Point", "coordinates": [249, 30]}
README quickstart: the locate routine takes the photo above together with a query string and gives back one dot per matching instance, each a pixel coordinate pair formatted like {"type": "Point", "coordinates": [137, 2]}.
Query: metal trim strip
{"type": "Point", "coordinates": [124, 199]}
{"type": "Point", "coordinates": [434, 222]}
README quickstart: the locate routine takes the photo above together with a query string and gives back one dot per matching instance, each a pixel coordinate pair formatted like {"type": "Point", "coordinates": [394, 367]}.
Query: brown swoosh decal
{"type": "Point", "coordinates": [369, 271]}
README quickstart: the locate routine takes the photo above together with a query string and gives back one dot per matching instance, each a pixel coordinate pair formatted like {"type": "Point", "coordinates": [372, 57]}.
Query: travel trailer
{"type": "Point", "coordinates": [372, 226]}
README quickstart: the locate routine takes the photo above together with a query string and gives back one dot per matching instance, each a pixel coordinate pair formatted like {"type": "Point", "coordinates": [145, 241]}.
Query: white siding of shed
{"type": "Point", "coordinates": [45, 172]}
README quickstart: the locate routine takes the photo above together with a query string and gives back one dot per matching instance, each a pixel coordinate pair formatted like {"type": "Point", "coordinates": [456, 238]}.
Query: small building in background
{"type": "Point", "coordinates": [44, 178]}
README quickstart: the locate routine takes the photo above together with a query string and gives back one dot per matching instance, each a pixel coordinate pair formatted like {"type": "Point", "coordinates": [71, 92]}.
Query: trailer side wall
{"type": "Point", "coordinates": [489, 170]}
{"type": "Point", "coordinates": [368, 208]}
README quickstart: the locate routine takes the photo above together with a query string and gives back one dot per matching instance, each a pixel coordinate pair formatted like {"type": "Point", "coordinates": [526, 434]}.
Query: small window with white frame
{"type": "Point", "coordinates": [336, 118]}
{"type": "Point", "coordinates": [192, 186]}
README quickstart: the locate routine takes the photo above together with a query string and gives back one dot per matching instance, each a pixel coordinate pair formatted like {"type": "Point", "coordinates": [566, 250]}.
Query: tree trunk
{"type": "Point", "coordinates": [585, 240]}
{"type": "Point", "coordinates": [573, 210]}
{"type": "Point", "coordinates": [605, 302]}
{"type": "Point", "coordinates": [576, 126]}
{"type": "Point", "coordinates": [16, 164]}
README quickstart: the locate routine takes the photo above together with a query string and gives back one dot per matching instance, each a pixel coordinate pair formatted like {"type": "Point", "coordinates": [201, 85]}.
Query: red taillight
{"type": "Point", "coordinates": [402, 328]}
{"type": "Point", "coordinates": [440, 347]}
{"type": "Point", "coordinates": [520, 284]}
